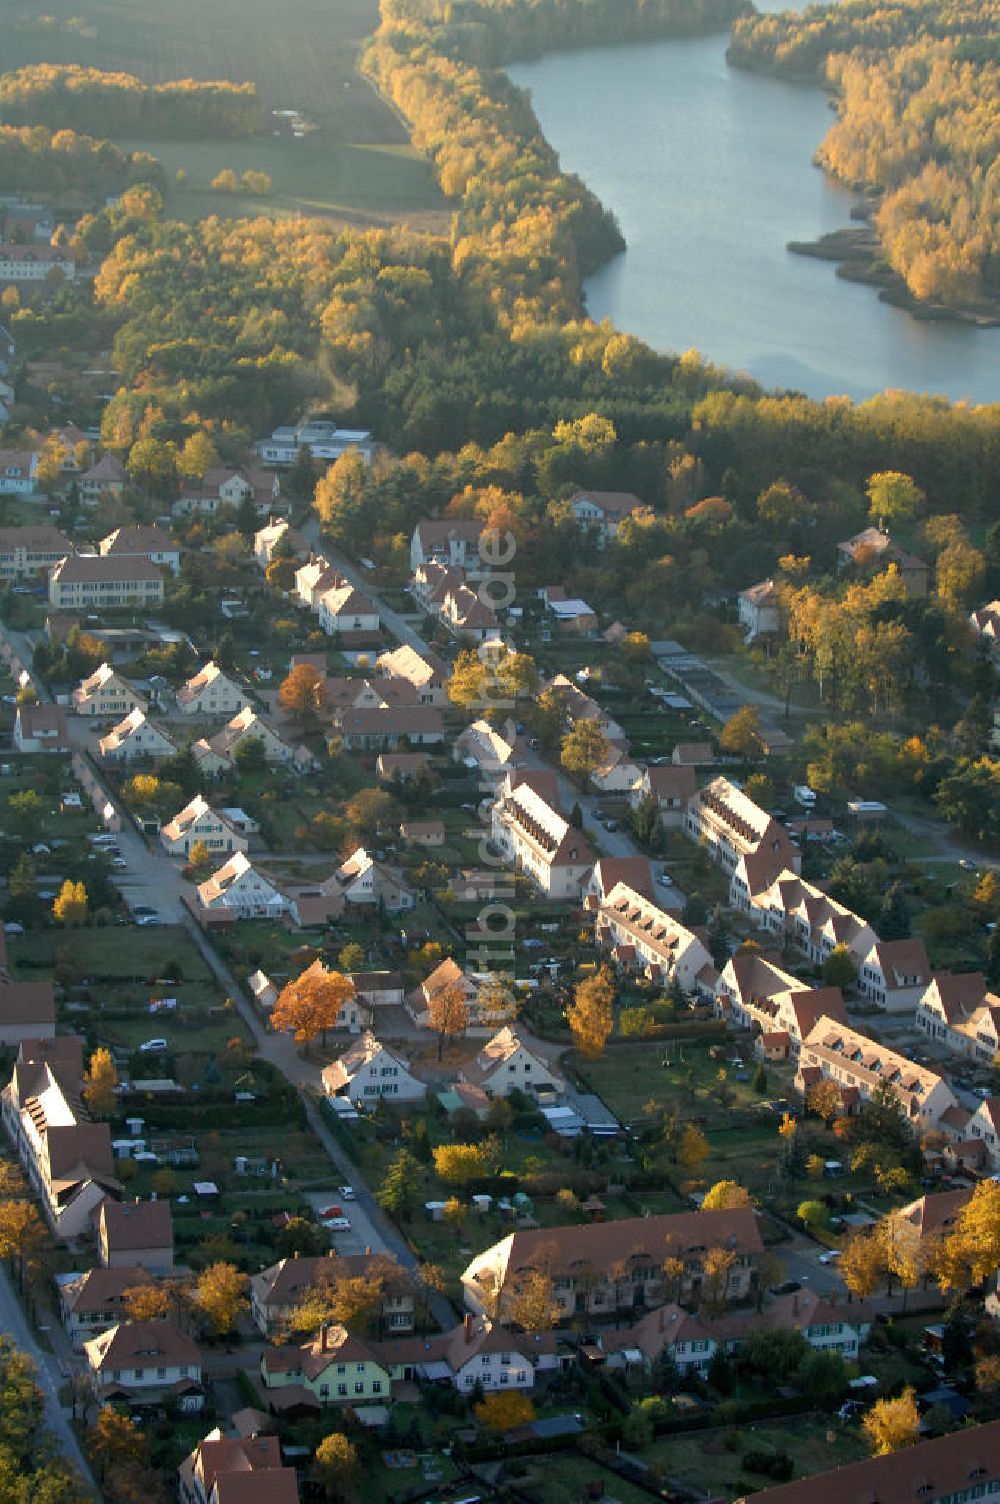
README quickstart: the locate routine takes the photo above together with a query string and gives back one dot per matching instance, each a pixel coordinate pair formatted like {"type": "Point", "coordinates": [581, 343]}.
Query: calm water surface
{"type": "Point", "coordinates": [709, 172]}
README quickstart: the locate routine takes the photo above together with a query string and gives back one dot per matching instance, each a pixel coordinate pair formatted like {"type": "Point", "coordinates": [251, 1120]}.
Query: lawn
{"type": "Point", "coordinates": [358, 166]}
{"type": "Point", "coordinates": [353, 182]}
{"type": "Point", "coordinates": [678, 1074]}
{"type": "Point", "coordinates": [710, 1460]}
{"type": "Point", "coordinates": [126, 953]}
{"type": "Point", "coordinates": [567, 1477]}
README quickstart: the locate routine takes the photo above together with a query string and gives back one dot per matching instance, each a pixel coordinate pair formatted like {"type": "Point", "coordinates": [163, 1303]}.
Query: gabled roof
{"type": "Point", "coordinates": [143, 1344]}
{"type": "Point", "coordinates": [902, 958]}
{"type": "Point", "coordinates": [138, 540]}
{"type": "Point", "coordinates": [613, 504]}
{"type": "Point", "coordinates": [354, 1059]}
{"type": "Point", "coordinates": [98, 1288]}
{"type": "Point", "coordinates": [136, 1224]}
{"type": "Point", "coordinates": [196, 810]}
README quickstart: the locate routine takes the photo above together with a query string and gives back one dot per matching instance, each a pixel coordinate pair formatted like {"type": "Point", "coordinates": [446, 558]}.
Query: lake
{"type": "Point", "coordinates": [709, 173]}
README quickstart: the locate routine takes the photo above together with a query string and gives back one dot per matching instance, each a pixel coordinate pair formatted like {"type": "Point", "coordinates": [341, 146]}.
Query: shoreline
{"type": "Point", "coordinates": [858, 256]}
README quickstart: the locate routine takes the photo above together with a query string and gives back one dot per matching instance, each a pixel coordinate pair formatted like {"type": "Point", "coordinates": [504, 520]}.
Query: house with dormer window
{"type": "Point", "coordinates": [369, 1071]}
{"type": "Point", "coordinates": [239, 889]}
{"type": "Point", "coordinates": [528, 830]}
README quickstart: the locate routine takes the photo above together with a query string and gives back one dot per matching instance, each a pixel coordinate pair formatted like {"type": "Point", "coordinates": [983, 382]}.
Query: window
{"type": "Point", "coordinates": [324, 1391]}
{"type": "Point", "coordinates": [359, 1388]}
{"type": "Point", "coordinates": [342, 1390]}
{"type": "Point", "coordinates": [376, 1386]}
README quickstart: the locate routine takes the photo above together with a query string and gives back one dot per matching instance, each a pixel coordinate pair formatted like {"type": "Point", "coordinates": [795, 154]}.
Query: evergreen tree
{"type": "Point", "coordinates": [400, 1190]}
{"type": "Point", "coordinates": [719, 936]}
{"type": "Point", "coordinates": [695, 910]}
{"type": "Point", "coordinates": [894, 916]}
{"type": "Point", "coordinates": [760, 1080]}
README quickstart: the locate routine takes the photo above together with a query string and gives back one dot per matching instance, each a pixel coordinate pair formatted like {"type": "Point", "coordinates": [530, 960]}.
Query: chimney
{"type": "Point", "coordinates": [468, 1324]}
{"type": "Point", "coordinates": [295, 1254]}
{"type": "Point", "coordinates": [324, 1328]}
{"type": "Point", "coordinates": [368, 1252]}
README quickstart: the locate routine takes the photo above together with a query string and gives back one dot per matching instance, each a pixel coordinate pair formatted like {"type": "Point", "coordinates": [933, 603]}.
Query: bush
{"type": "Point", "coordinates": [776, 1465]}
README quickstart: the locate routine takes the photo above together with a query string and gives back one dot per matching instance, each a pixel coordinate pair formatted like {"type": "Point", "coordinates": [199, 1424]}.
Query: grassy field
{"type": "Point", "coordinates": [356, 182]}
{"type": "Point", "coordinates": [357, 168]}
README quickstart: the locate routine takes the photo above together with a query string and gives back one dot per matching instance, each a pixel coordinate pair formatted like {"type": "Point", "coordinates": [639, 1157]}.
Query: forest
{"type": "Point", "coordinates": [35, 160]}
{"type": "Point", "coordinates": [917, 87]}
{"type": "Point", "coordinates": [67, 97]}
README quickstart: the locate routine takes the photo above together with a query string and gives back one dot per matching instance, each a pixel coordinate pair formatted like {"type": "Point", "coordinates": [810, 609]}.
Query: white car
{"type": "Point", "coordinates": [345, 1192]}
{"type": "Point", "coordinates": [831, 1256]}
{"type": "Point", "coordinates": [666, 880]}
{"type": "Point", "coordinates": [153, 1047]}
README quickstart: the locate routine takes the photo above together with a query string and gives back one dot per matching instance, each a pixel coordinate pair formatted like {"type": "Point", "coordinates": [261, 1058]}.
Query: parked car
{"type": "Point", "coordinates": [830, 1256]}
{"type": "Point", "coordinates": [967, 864]}
{"type": "Point", "coordinates": [665, 879]}
{"type": "Point", "coordinates": [345, 1192]}
{"type": "Point", "coordinates": [153, 1047]}
{"type": "Point", "coordinates": [119, 863]}
{"type": "Point", "coordinates": [142, 908]}
{"type": "Point", "coordinates": [145, 920]}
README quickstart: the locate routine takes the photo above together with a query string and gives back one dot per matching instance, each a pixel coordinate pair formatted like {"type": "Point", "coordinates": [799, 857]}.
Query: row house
{"type": "Point", "coordinates": [106, 694]}
{"type": "Point", "coordinates": [279, 540]}
{"type": "Point", "coordinates": [199, 822]}
{"type": "Point", "coordinates": [859, 1065]}
{"type": "Point", "coordinates": [146, 1362]}
{"type": "Point", "coordinates": [453, 542]}
{"type": "Point", "coordinates": [369, 1072]}
{"type": "Point", "coordinates": [948, 1470]}
{"type": "Point", "coordinates": [385, 728]}
{"type": "Point", "coordinates": [342, 692]}
{"type": "Point", "coordinates": [731, 826]}
{"type": "Point", "coordinates": [277, 1291]}
{"type": "Point", "coordinates": [602, 1268]}
{"type": "Point", "coordinates": [984, 1126]}
{"type": "Point", "coordinates": [754, 993]}
{"type": "Point", "coordinates": [672, 788]}
{"type": "Point", "coordinates": [343, 610]}
{"type": "Point", "coordinates": [237, 1470]}
{"type": "Point", "coordinates": [893, 974]}
{"type": "Point", "coordinates": [238, 889]}
{"type": "Point", "coordinates": [89, 582]}
{"type": "Point", "coordinates": [222, 487]}
{"type": "Point", "coordinates": [758, 611]}
{"type": "Point", "coordinates": [142, 542]}
{"type": "Point", "coordinates": [693, 1339]}
{"type": "Point", "coordinates": [634, 871]}
{"type": "Point", "coordinates": [425, 671]}
{"type": "Point", "coordinates": [601, 513]}
{"type": "Point", "coordinates": [18, 470]}
{"type": "Point", "coordinates": [68, 1159]}
{"type": "Point", "coordinates": [36, 263]}
{"type": "Point", "coordinates": [107, 480]}
{"type": "Point", "coordinates": [956, 1011]}
{"type": "Point", "coordinates": [41, 728]}
{"type": "Point", "coordinates": [28, 552]}
{"type": "Point", "coordinates": [211, 693]}
{"type": "Point", "coordinates": [532, 835]}
{"type": "Point", "coordinates": [645, 938]}
{"type": "Point", "coordinates": [136, 739]}
{"type": "Point", "coordinates": [802, 915]}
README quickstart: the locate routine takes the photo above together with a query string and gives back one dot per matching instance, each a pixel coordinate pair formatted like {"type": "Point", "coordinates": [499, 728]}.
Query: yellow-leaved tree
{"type": "Point", "coordinates": [310, 1004]}
{"type": "Point", "coordinates": [591, 1013]}
{"type": "Point", "coordinates": [891, 1425]}
{"type": "Point", "coordinates": [220, 1296]}
{"type": "Point", "coordinates": [725, 1195]}
{"type": "Point", "coordinates": [99, 1083]}
{"type": "Point", "coordinates": [70, 903]}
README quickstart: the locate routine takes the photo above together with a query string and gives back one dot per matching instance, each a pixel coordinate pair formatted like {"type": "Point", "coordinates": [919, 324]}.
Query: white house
{"type": "Point", "coordinates": [107, 478]}
{"type": "Point", "coordinates": [343, 610]}
{"type": "Point", "coordinates": [643, 937]}
{"type": "Point", "coordinates": [142, 542]}
{"type": "Point", "coordinates": [477, 1354]}
{"type": "Point", "coordinates": [17, 472]}
{"type": "Point", "coordinates": [145, 1362]}
{"type": "Point", "coordinates": [28, 552]}
{"type": "Point", "coordinates": [313, 579]}
{"type": "Point", "coordinates": [531, 834]}
{"type": "Point", "coordinates": [507, 1063]}
{"type": "Point", "coordinates": [984, 1124]}
{"type": "Point", "coordinates": [36, 263]}
{"type": "Point", "coordinates": [672, 788]}
{"type": "Point", "coordinates": [424, 671]}
{"type": "Point", "coordinates": [958, 1012]}
{"type": "Point", "coordinates": [363, 879]}
{"type": "Point", "coordinates": [68, 1159]}
{"type": "Point", "coordinates": [452, 541]}
{"type": "Point", "coordinates": [41, 728]}
{"type": "Point", "coordinates": [754, 993]}
{"type": "Point", "coordinates": [758, 608]}
{"type": "Point", "coordinates": [210, 693]}
{"type": "Point", "coordinates": [894, 974]}
{"type": "Point", "coordinates": [602, 512]}
{"type": "Point", "coordinates": [278, 538]}
{"type": "Point", "coordinates": [247, 726]}
{"type": "Point", "coordinates": [493, 751]}
{"type": "Point", "coordinates": [730, 825]}
{"type": "Point", "coordinates": [91, 1302]}
{"type": "Point", "coordinates": [806, 917]}
{"type": "Point", "coordinates": [368, 1071]}
{"type": "Point", "coordinates": [92, 582]}
{"type": "Point", "coordinates": [135, 738]}
{"type": "Point", "coordinates": [239, 888]}
{"type": "Point", "coordinates": [105, 694]}
{"type": "Point", "coordinates": [197, 821]}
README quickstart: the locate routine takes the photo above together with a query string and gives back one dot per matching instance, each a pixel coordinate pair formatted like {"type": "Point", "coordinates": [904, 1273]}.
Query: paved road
{"type": "Point", "coordinates": [48, 1375]}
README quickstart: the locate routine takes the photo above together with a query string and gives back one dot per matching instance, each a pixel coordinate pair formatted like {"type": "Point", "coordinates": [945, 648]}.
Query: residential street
{"type": "Point", "coordinates": [49, 1374]}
